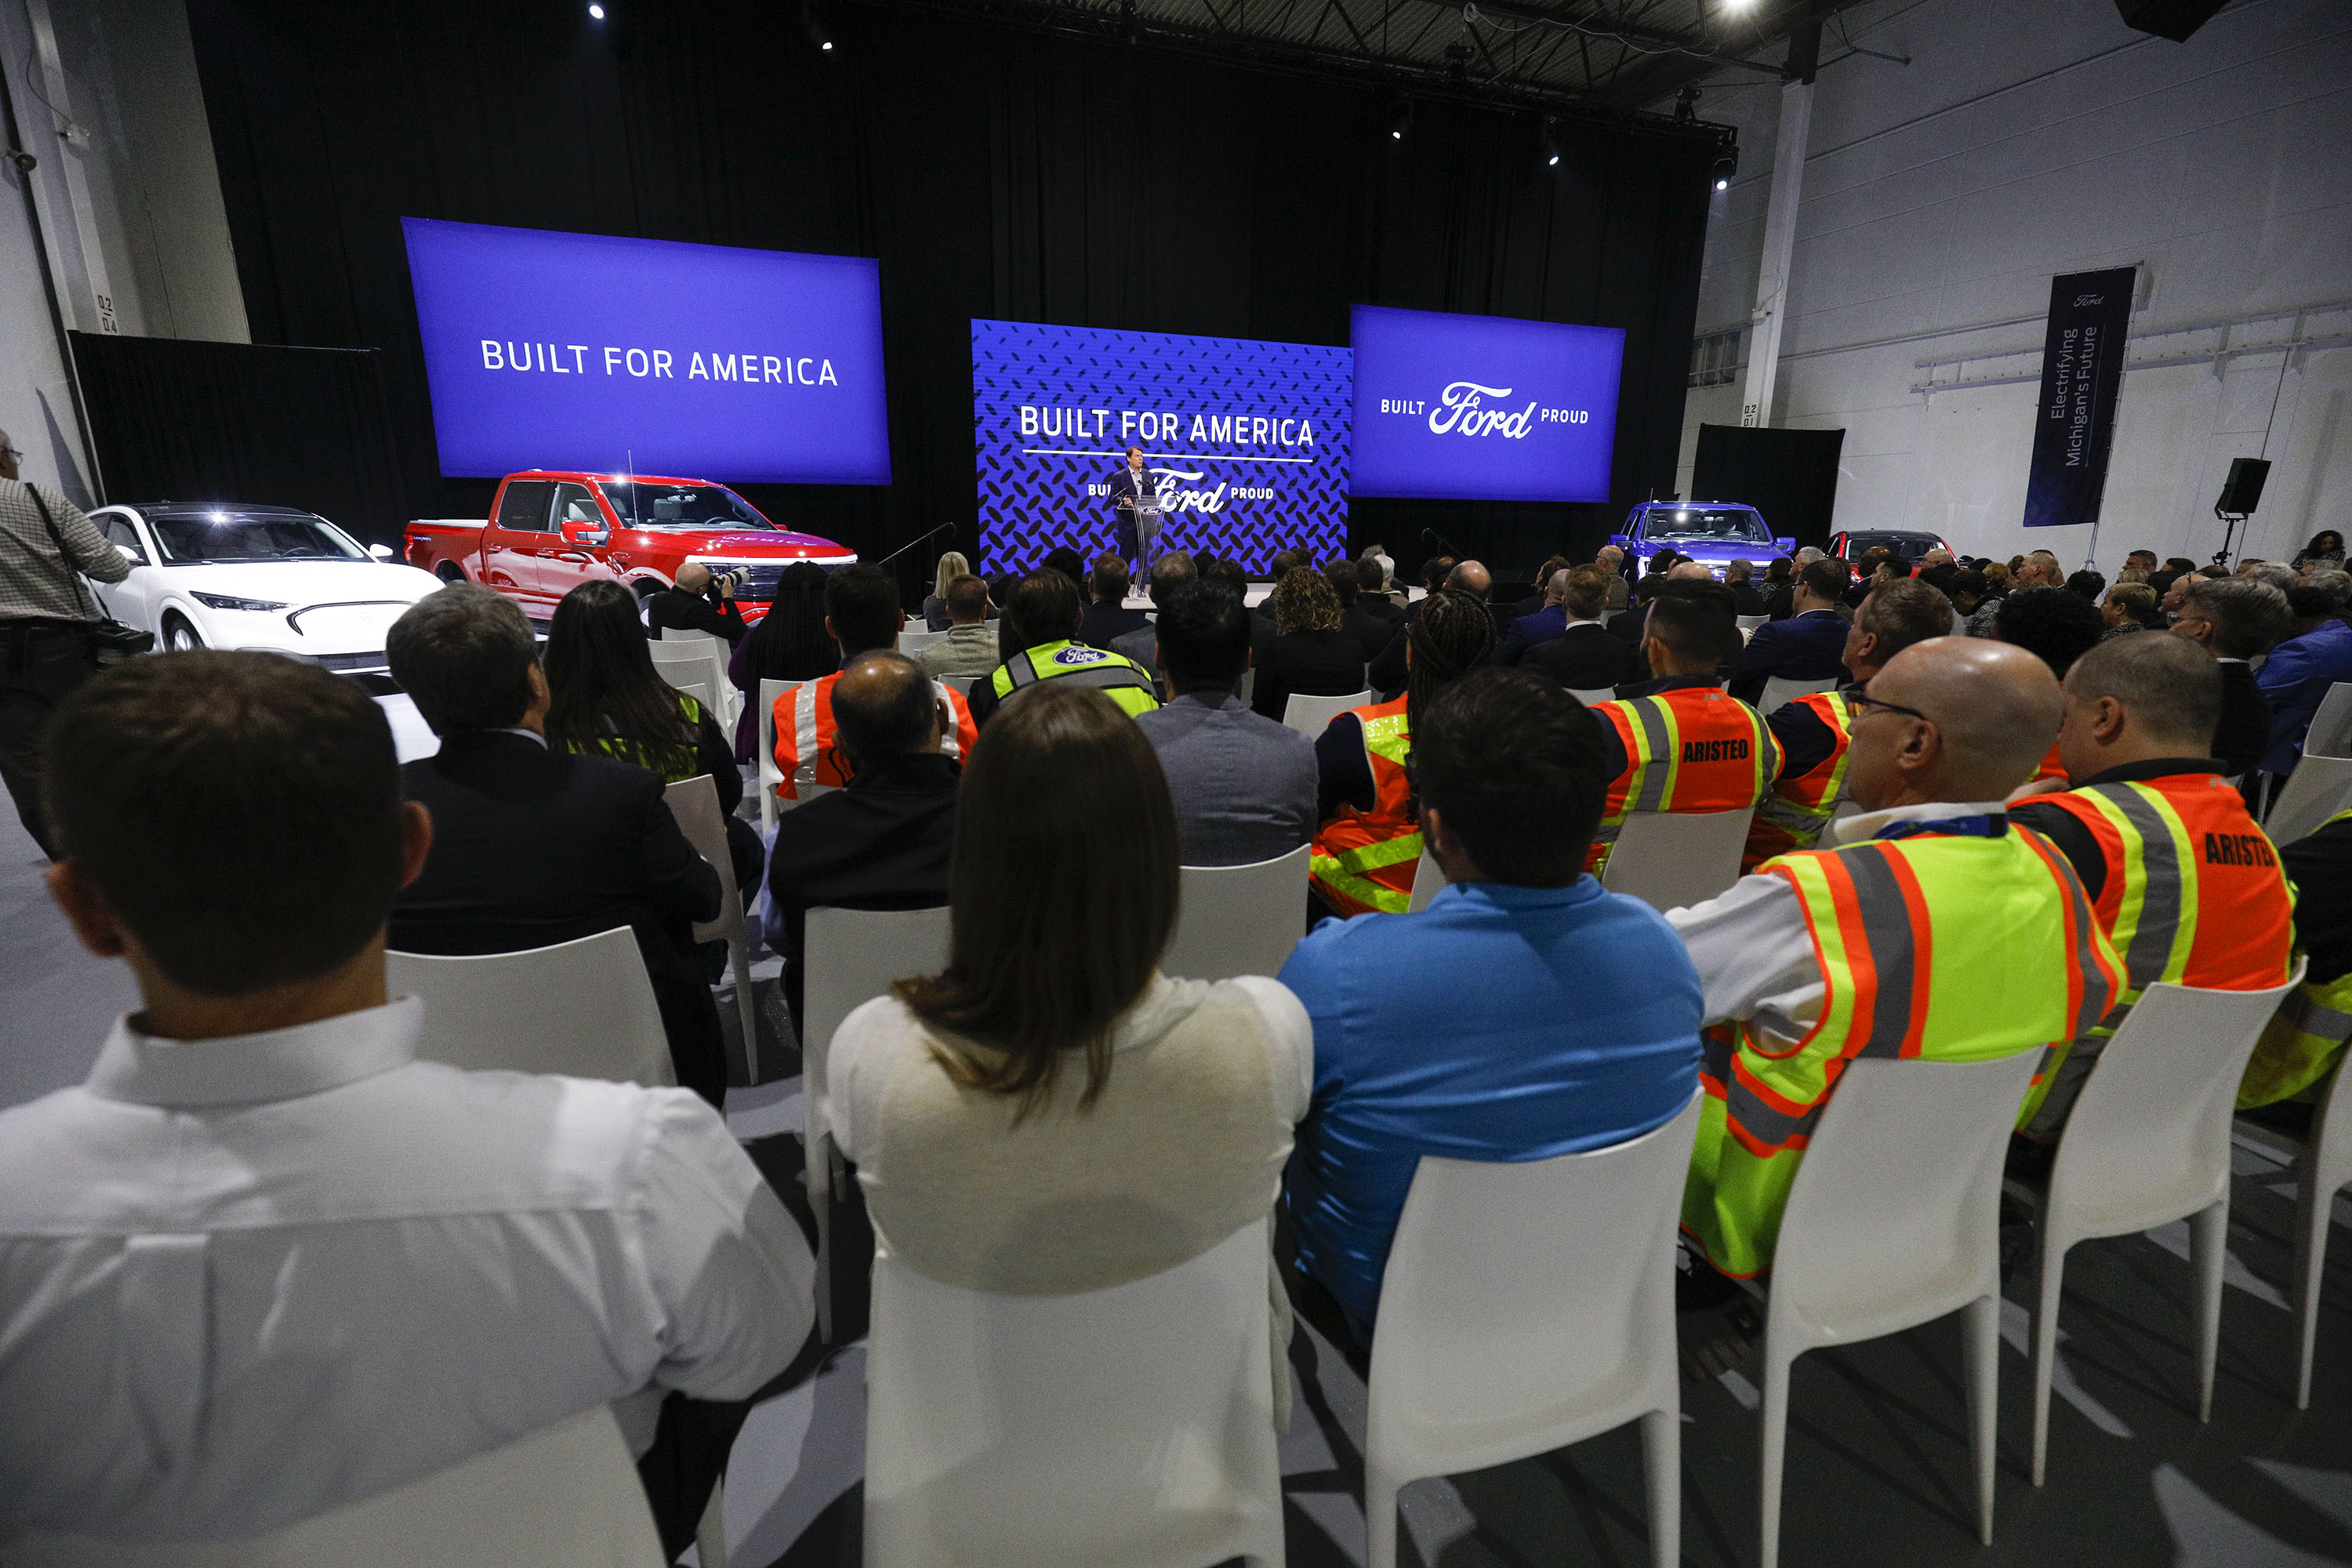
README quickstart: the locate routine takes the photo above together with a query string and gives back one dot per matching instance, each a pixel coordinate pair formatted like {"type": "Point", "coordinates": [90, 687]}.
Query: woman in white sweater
{"type": "Point", "coordinates": [1051, 1114]}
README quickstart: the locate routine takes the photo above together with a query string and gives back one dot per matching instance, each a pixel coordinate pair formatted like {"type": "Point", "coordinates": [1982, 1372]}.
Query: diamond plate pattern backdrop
{"type": "Point", "coordinates": [1253, 437]}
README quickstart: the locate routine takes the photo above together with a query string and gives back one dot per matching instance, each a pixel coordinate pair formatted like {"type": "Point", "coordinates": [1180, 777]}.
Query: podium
{"type": "Point", "coordinates": [1138, 529]}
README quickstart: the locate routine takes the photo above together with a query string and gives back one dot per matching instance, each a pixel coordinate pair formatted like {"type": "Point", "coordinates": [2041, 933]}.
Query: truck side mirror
{"type": "Point", "coordinates": [380, 552]}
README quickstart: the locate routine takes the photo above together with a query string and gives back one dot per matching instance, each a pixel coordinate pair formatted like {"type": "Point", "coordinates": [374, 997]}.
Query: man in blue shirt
{"type": "Point", "coordinates": [1525, 1014]}
{"type": "Point", "coordinates": [2299, 672]}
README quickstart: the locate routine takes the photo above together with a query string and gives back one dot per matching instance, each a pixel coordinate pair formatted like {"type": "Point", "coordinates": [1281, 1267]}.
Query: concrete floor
{"type": "Point", "coordinates": [1877, 1470]}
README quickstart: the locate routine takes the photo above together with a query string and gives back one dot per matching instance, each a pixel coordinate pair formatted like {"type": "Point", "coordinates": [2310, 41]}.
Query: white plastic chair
{"type": "Point", "coordinates": [692, 681]}
{"type": "Point", "coordinates": [963, 684]}
{"type": "Point", "coordinates": [770, 780]}
{"type": "Point", "coordinates": [1310, 715]}
{"type": "Point", "coordinates": [2322, 1170]}
{"type": "Point", "coordinates": [2146, 1144]}
{"type": "Point", "coordinates": [848, 957]}
{"type": "Point", "coordinates": [566, 1496]}
{"type": "Point", "coordinates": [1594, 697]}
{"type": "Point", "coordinates": [912, 644]}
{"type": "Point", "coordinates": [716, 652]}
{"type": "Point", "coordinates": [1673, 859]}
{"type": "Point", "coordinates": [1428, 881]}
{"type": "Point", "coordinates": [584, 1008]}
{"type": "Point", "coordinates": [1239, 919]}
{"type": "Point", "coordinates": [1133, 1425]}
{"type": "Point", "coordinates": [1778, 690]}
{"type": "Point", "coordinates": [1248, 686]}
{"type": "Point", "coordinates": [1750, 623]}
{"type": "Point", "coordinates": [1894, 1220]}
{"type": "Point", "coordinates": [2330, 734]}
{"type": "Point", "coordinates": [2319, 787]}
{"type": "Point", "coordinates": [1525, 1307]}
{"type": "Point", "coordinates": [695, 803]}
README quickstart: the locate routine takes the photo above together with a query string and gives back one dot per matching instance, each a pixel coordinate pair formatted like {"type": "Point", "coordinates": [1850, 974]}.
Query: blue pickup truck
{"type": "Point", "coordinates": [1714, 534]}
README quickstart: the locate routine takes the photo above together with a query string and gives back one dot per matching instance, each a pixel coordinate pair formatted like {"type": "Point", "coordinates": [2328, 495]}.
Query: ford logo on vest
{"type": "Point", "coordinates": [1079, 656]}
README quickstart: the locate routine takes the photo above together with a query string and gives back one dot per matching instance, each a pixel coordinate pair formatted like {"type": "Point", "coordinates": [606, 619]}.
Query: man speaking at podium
{"type": "Point", "coordinates": [1133, 490]}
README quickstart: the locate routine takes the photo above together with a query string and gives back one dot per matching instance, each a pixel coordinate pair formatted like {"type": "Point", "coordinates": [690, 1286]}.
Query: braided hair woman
{"type": "Point", "coordinates": [1369, 847]}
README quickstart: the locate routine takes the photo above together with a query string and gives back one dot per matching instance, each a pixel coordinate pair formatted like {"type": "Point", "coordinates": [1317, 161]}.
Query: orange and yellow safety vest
{"type": "Point", "coordinates": [1366, 860]}
{"type": "Point", "coordinates": [1692, 749]}
{"type": "Point", "coordinates": [805, 752]}
{"type": "Point", "coordinates": [1799, 806]}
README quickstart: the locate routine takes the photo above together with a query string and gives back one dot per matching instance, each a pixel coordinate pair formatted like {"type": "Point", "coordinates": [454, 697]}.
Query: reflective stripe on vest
{"type": "Point", "coordinates": [806, 753]}
{"type": "Point", "coordinates": [2301, 1044]}
{"type": "Point", "coordinates": [1796, 811]}
{"type": "Point", "coordinates": [1367, 861]}
{"type": "Point", "coordinates": [1691, 749]}
{"type": "Point", "coordinates": [1117, 677]}
{"type": "Point", "coordinates": [1896, 924]}
{"type": "Point", "coordinates": [2193, 895]}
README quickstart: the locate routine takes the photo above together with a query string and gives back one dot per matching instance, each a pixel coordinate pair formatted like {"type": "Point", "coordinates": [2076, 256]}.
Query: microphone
{"type": "Point", "coordinates": [1431, 536]}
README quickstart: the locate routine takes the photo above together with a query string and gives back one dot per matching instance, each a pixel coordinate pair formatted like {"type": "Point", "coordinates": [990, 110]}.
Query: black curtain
{"type": "Point", "coordinates": [176, 419]}
{"type": "Point", "coordinates": [995, 173]}
{"type": "Point", "coordinates": [1790, 476]}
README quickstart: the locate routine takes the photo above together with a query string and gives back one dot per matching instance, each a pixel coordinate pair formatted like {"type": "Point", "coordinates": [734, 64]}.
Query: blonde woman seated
{"type": "Point", "coordinates": [1052, 1114]}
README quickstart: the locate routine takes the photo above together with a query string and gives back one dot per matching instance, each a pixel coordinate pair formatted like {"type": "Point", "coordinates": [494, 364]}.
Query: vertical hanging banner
{"type": "Point", "coordinates": [2082, 371]}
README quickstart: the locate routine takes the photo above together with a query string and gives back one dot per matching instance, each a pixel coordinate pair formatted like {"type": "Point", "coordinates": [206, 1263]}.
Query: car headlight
{"type": "Point", "coordinates": [231, 601]}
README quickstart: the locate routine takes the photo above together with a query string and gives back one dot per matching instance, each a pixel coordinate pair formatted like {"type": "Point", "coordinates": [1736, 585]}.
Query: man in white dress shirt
{"type": "Point", "coordinates": [265, 1262]}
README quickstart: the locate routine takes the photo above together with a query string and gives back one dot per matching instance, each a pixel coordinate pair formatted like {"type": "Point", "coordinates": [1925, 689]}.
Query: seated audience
{"type": "Point", "coordinates": [1739, 578]}
{"type": "Point", "coordinates": [2056, 626]}
{"type": "Point", "coordinates": [861, 616]}
{"type": "Point", "coordinates": [1050, 1114]}
{"type": "Point", "coordinates": [2299, 671]}
{"type": "Point", "coordinates": [1387, 673]}
{"type": "Point", "coordinates": [2286, 579]}
{"type": "Point", "coordinates": [1070, 565]}
{"type": "Point", "coordinates": [1878, 564]}
{"type": "Point", "coordinates": [531, 846]}
{"type": "Point", "coordinates": [1368, 847]}
{"type": "Point", "coordinates": [1677, 742]}
{"type": "Point", "coordinates": [1970, 592]}
{"type": "Point", "coordinates": [700, 603]}
{"type": "Point", "coordinates": [2305, 1040]}
{"type": "Point", "coordinates": [789, 644]}
{"type": "Point", "coordinates": [1611, 560]}
{"type": "Point", "coordinates": [2129, 607]}
{"type": "Point", "coordinates": [937, 615]}
{"type": "Point", "coordinates": [1310, 654]}
{"type": "Point", "coordinates": [1373, 597]}
{"type": "Point", "coordinates": [1943, 732]}
{"type": "Point", "coordinates": [1544, 1053]}
{"type": "Point", "coordinates": [2233, 621]}
{"type": "Point", "coordinates": [1807, 646]}
{"type": "Point", "coordinates": [605, 695]}
{"type": "Point", "coordinates": [1937, 569]}
{"type": "Point", "coordinates": [2088, 583]}
{"type": "Point", "coordinates": [1107, 618]}
{"type": "Point", "coordinates": [1367, 630]}
{"type": "Point", "coordinates": [2326, 549]}
{"type": "Point", "coordinates": [1583, 657]}
{"type": "Point", "coordinates": [1037, 636]}
{"type": "Point", "coordinates": [882, 841]}
{"type": "Point", "coordinates": [264, 1263]}
{"type": "Point", "coordinates": [2141, 561]}
{"type": "Point", "coordinates": [1548, 620]}
{"type": "Point", "coordinates": [2038, 570]}
{"type": "Point", "coordinates": [969, 647]}
{"type": "Point", "coordinates": [2138, 715]}
{"type": "Point", "coordinates": [1779, 588]}
{"type": "Point", "coordinates": [1632, 628]}
{"type": "Point", "coordinates": [1169, 573]}
{"type": "Point", "coordinates": [1285, 563]}
{"type": "Point", "coordinates": [1811, 731]}
{"type": "Point", "coordinates": [1531, 603]}
{"type": "Point", "coordinates": [1243, 784]}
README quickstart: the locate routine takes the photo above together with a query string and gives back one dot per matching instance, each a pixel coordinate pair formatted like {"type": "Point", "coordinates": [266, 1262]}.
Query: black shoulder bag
{"type": "Point", "coordinates": [110, 642]}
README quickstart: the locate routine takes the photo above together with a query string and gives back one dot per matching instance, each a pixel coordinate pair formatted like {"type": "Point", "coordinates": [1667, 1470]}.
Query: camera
{"type": "Point", "coordinates": [726, 583]}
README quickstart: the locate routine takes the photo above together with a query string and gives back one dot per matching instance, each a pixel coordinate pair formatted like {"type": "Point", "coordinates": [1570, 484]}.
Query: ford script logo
{"type": "Point", "coordinates": [1459, 412]}
{"type": "Point", "coordinates": [1074, 656]}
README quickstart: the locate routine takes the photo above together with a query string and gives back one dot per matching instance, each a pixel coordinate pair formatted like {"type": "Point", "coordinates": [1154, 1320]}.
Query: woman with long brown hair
{"type": "Point", "coordinates": [1051, 1114]}
{"type": "Point", "coordinates": [1309, 653]}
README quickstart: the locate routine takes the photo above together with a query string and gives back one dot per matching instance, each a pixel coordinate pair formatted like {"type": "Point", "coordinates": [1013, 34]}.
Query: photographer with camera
{"type": "Point", "coordinates": [701, 602]}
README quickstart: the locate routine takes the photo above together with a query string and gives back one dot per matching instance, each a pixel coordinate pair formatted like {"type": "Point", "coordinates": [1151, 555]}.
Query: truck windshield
{"type": "Point", "coordinates": [641, 503]}
{"type": "Point", "coordinates": [193, 537]}
{"type": "Point", "coordinates": [1735, 523]}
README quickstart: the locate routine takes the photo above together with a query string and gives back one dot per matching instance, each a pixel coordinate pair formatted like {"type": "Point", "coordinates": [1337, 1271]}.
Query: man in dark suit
{"type": "Point", "coordinates": [1541, 624]}
{"type": "Point", "coordinates": [698, 604]}
{"type": "Point", "coordinates": [1583, 657]}
{"type": "Point", "coordinates": [1739, 578]}
{"type": "Point", "coordinates": [1368, 631]}
{"type": "Point", "coordinates": [531, 846]}
{"type": "Point", "coordinates": [2234, 618]}
{"type": "Point", "coordinates": [1372, 595]}
{"type": "Point", "coordinates": [883, 841]}
{"type": "Point", "coordinates": [1809, 646]}
{"type": "Point", "coordinates": [1107, 618]}
{"type": "Point", "coordinates": [1132, 488]}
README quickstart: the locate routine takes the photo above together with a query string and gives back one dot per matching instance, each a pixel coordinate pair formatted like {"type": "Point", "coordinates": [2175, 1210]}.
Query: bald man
{"type": "Point", "coordinates": [1938, 739]}
{"type": "Point", "coordinates": [695, 606]}
{"type": "Point", "coordinates": [1544, 625]}
{"type": "Point", "coordinates": [2186, 887]}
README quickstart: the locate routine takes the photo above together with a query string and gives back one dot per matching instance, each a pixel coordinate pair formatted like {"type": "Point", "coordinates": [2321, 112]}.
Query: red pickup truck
{"type": "Point", "coordinates": [548, 532]}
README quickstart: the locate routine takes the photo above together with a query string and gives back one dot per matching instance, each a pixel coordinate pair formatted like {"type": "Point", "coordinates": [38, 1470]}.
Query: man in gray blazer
{"type": "Point", "coordinates": [1243, 786]}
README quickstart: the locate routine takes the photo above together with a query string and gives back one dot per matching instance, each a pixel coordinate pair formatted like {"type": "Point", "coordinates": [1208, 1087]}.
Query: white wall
{"type": "Point", "coordinates": [2032, 137]}
{"type": "Point", "coordinates": [126, 208]}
